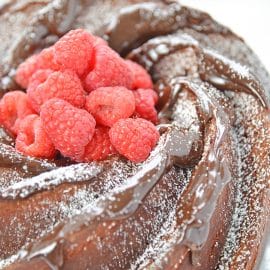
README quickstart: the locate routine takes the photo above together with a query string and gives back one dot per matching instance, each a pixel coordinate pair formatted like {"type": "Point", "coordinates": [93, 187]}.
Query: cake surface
{"type": "Point", "coordinates": [200, 201]}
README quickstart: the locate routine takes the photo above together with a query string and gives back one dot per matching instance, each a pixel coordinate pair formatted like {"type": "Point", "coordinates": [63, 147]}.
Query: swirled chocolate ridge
{"type": "Point", "coordinates": [197, 148]}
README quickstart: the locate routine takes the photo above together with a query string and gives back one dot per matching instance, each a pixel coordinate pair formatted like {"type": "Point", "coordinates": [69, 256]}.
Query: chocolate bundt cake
{"type": "Point", "coordinates": [200, 201]}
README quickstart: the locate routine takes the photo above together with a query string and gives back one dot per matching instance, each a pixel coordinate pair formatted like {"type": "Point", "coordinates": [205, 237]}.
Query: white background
{"type": "Point", "coordinates": [251, 20]}
{"type": "Point", "coordinates": [248, 18]}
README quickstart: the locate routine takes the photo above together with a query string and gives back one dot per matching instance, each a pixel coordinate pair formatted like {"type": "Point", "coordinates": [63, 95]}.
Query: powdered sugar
{"type": "Point", "coordinates": [250, 185]}
{"type": "Point", "coordinates": [237, 68]}
{"type": "Point", "coordinates": [45, 181]}
{"type": "Point", "coordinates": [249, 134]}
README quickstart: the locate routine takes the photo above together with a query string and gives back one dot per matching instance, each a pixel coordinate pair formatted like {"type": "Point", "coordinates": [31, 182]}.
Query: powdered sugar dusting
{"type": "Point", "coordinates": [48, 213]}
{"type": "Point", "coordinates": [243, 70]}
{"type": "Point", "coordinates": [250, 183]}
{"type": "Point", "coordinates": [45, 181]}
{"type": "Point", "coordinates": [28, 165]}
{"type": "Point", "coordinates": [251, 139]}
{"type": "Point", "coordinates": [163, 241]}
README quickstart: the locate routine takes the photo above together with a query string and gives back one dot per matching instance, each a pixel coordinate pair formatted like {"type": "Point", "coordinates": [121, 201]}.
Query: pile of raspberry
{"type": "Point", "coordinates": [83, 100]}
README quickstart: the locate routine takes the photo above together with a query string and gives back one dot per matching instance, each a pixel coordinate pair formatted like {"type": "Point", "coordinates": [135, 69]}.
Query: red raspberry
{"type": "Point", "coordinates": [65, 85]}
{"type": "Point", "coordinates": [32, 140]}
{"type": "Point", "coordinates": [141, 78]}
{"type": "Point", "coordinates": [100, 147]}
{"type": "Point", "coordinates": [134, 138]}
{"type": "Point", "coordinates": [25, 70]}
{"type": "Point", "coordinates": [75, 51]}
{"type": "Point", "coordinates": [109, 70]}
{"type": "Point", "coordinates": [109, 104]}
{"type": "Point", "coordinates": [47, 59]}
{"type": "Point", "coordinates": [14, 106]}
{"type": "Point", "coordinates": [43, 60]}
{"type": "Point", "coordinates": [145, 100]}
{"type": "Point", "coordinates": [69, 128]}
{"type": "Point", "coordinates": [38, 78]}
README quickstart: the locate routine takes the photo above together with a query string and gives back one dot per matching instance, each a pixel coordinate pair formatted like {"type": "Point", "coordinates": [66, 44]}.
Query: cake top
{"type": "Point", "coordinates": [213, 122]}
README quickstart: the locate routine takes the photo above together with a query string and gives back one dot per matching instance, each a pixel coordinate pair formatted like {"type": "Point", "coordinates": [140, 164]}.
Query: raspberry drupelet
{"type": "Point", "coordinates": [69, 128]}
{"type": "Point", "coordinates": [134, 138]}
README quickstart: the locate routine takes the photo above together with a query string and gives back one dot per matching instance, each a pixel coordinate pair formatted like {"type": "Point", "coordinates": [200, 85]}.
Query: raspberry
{"type": "Point", "coordinates": [47, 59]}
{"type": "Point", "coordinates": [75, 51]}
{"type": "Point", "coordinates": [109, 70]}
{"type": "Point", "coordinates": [26, 70]}
{"type": "Point", "coordinates": [65, 85]}
{"type": "Point", "coordinates": [100, 147]}
{"type": "Point", "coordinates": [134, 138]}
{"type": "Point", "coordinates": [32, 140]}
{"type": "Point", "coordinates": [145, 100]}
{"type": "Point", "coordinates": [141, 78]}
{"type": "Point", "coordinates": [38, 78]}
{"type": "Point", "coordinates": [69, 128]}
{"type": "Point", "coordinates": [43, 60]}
{"type": "Point", "coordinates": [109, 104]}
{"type": "Point", "coordinates": [14, 106]}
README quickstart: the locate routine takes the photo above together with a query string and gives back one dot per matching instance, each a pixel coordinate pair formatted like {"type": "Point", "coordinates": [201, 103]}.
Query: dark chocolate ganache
{"type": "Point", "coordinates": [198, 202]}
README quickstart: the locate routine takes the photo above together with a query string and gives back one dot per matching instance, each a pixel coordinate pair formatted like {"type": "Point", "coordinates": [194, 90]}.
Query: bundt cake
{"type": "Point", "coordinates": [200, 200]}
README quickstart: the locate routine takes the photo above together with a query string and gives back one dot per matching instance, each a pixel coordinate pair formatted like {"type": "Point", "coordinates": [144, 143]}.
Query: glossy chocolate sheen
{"type": "Point", "coordinates": [198, 202]}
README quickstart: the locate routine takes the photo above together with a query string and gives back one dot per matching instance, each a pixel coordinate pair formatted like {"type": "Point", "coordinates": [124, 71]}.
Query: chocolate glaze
{"type": "Point", "coordinates": [37, 24]}
{"type": "Point", "coordinates": [202, 151]}
{"type": "Point", "coordinates": [213, 68]}
{"type": "Point", "coordinates": [156, 19]}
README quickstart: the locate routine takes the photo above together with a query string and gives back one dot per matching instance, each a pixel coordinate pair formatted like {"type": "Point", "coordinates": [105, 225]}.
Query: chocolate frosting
{"type": "Point", "coordinates": [203, 126]}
